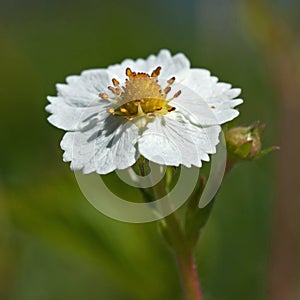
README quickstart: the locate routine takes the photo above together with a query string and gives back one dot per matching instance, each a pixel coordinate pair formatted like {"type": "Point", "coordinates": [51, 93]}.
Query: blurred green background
{"type": "Point", "coordinates": [53, 244]}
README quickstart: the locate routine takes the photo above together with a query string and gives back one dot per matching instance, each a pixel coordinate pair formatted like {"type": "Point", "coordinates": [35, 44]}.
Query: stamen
{"type": "Point", "coordinates": [151, 115]}
{"type": "Point", "coordinates": [167, 90]}
{"type": "Point", "coordinates": [115, 82]}
{"type": "Point", "coordinates": [177, 94]}
{"type": "Point", "coordinates": [111, 111]}
{"type": "Point", "coordinates": [171, 109]}
{"type": "Point", "coordinates": [129, 73]}
{"type": "Point", "coordinates": [103, 96]}
{"type": "Point", "coordinates": [156, 72]}
{"type": "Point", "coordinates": [171, 80]}
{"type": "Point", "coordinates": [116, 91]}
{"type": "Point", "coordinates": [140, 96]}
{"type": "Point", "coordinates": [212, 106]}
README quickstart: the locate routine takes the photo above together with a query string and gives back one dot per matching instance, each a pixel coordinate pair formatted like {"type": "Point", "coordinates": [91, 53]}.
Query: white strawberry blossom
{"type": "Point", "coordinates": [158, 107]}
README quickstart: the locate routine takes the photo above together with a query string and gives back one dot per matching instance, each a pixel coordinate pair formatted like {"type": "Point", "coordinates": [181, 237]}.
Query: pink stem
{"type": "Point", "coordinates": [189, 276]}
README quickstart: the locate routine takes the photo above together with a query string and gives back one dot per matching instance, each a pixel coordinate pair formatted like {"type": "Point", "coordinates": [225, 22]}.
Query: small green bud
{"type": "Point", "coordinates": [244, 143]}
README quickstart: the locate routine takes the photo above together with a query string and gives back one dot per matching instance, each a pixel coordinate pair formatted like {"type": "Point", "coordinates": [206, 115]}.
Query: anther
{"type": "Point", "coordinates": [128, 118]}
{"type": "Point", "coordinates": [171, 109]}
{"type": "Point", "coordinates": [123, 110]}
{"type": "Point", "coordinates": [111, 111]}
{"type": "Point", "coordinates": [171, 80]}
{"type": "Point", "coordinates": [212, 106]}
{"type": "Point", "coordinates": [103, 96]}
{"type": "Point", "coordinates": [115, 82]}
{"type": "Point", "coordinates": [167, 90]}
{"type": "Point", "coordinates": [156, 72]}
{"type": "Point", "coordinates": [177, 94]}
{"type": "Point", "coordinates": [151, 115]}
{"type": "Point", "coordinates": [114, 90]}
{"type": "Point", "coordinates": [129, 73]}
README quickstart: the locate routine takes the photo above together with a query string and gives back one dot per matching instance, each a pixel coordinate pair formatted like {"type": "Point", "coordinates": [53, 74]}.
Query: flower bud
{"type": "Point", "coordinates": [244, 143]}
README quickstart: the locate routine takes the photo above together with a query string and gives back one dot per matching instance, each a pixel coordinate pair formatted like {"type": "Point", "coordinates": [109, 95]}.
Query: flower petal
{"type": "Point", "coordinates": [171, 65]}
{"type": "Point", "coordinates": [101, 149]}
{"type": "Point", "coordinates": [217, 95]}
{"type": "Point", "coordinates": [73, 118]}
{"type": "Point", "coordinates": [83, 90]}
{"type": "Point", "coordinates": [173, 140]}
{"type": "Point", "coordinates": [193, 107]}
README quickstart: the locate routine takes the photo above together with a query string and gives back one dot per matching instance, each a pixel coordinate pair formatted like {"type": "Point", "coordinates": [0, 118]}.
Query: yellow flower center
{"type": "Point", "coordinates": [141, 96]}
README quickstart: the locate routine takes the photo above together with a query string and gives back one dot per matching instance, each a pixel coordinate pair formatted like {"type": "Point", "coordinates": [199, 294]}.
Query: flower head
{"type": "Point", "coordinates": [159, 108]}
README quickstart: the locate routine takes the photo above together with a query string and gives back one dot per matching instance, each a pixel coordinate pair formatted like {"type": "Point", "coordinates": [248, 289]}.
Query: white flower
{"type": "Point", "coordinates": [159, 108]}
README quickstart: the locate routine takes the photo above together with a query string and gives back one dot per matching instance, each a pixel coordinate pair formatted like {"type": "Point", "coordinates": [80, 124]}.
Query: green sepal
{"type": "Point", "coordinates": [195, 217]}
{"type": "Point", "coordinates": [244, 150]}
{"type": "Point", "coordinates": [141, 167]}
{"type": "Point", "coordinates": [266, 151]}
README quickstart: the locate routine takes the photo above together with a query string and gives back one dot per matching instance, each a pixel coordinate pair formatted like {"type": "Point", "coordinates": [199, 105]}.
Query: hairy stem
{"type": "Point", "coordinates": [189, 276]}
{"type": "Point", "coordinates": [183, 251]}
